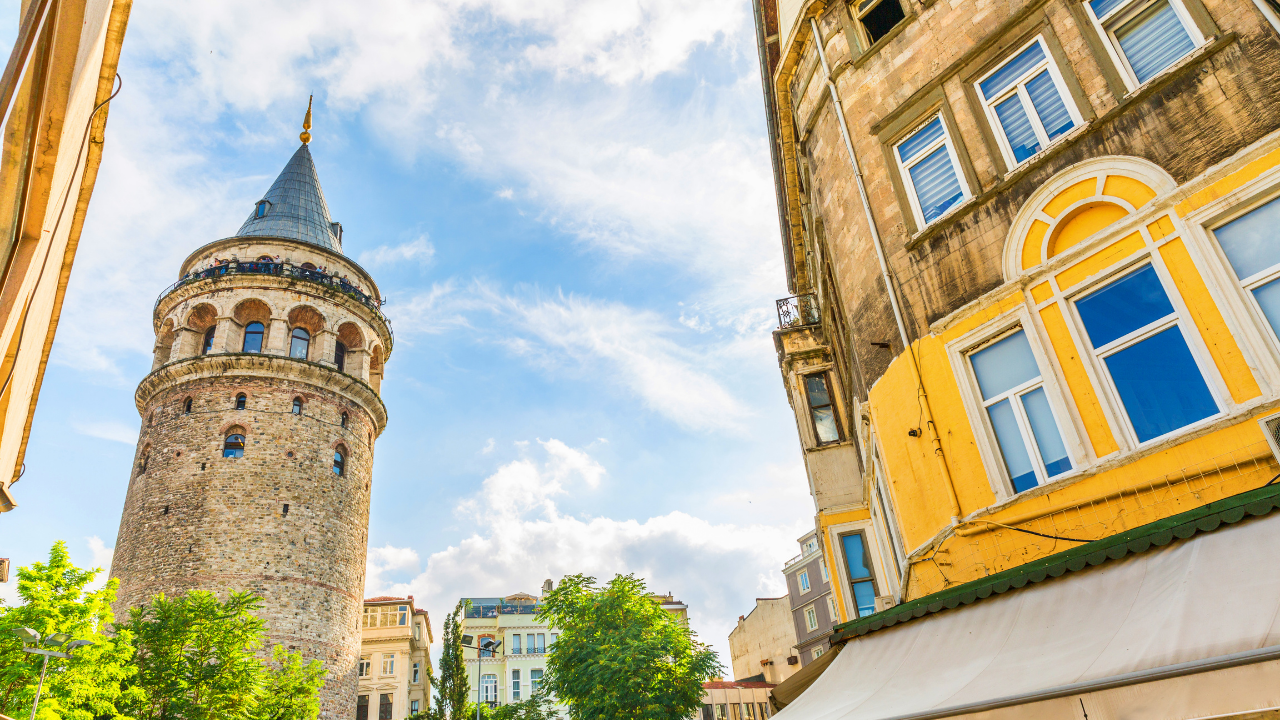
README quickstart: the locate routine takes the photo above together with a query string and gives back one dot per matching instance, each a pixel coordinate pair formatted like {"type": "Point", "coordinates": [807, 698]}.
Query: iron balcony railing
{"type": "Point", "coordinates": [798, 311]}
{"type": "Point", "coordinates": [280, 269]}
{"type": "Point", "coordinates": [484, 611]}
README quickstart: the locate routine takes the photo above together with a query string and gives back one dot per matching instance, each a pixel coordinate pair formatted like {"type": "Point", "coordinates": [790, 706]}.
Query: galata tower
{"type": "Point", "coordinates": [258, 422]}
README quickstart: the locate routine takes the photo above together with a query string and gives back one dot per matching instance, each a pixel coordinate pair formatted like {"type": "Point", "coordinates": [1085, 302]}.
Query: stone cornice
{"type": "Point", "coordinates": [273, 367]}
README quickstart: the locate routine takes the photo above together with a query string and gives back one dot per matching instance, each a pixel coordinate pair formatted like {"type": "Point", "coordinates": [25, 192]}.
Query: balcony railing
{"type": "Point", "coordinates": [282, 270]}
{"type": "Point", "coordinates": [487, 611]}
{"type": "Point", "coordinates": [798, 311]}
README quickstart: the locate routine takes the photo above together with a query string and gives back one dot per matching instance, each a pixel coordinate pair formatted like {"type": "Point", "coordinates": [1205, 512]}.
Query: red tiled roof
{"type": "Point", "coordinates": [383, 598]}
{"type": "Point", "coordinates": [727, 685]}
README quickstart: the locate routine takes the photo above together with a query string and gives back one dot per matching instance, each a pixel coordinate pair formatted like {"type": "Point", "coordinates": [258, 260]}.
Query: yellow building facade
{"type": "Point", "coordinates": [1033, 348]}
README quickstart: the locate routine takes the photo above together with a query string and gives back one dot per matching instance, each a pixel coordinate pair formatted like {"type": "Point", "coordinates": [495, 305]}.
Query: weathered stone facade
{"type": "Point", "coordinates": [288, 519]}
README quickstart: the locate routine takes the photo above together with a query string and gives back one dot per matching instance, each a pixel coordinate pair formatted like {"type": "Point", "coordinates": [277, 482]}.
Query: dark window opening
{"type": "Point", "coordinates": [308, 266]}
{"type": "Point", "coordinates": [299, 343]}
{"type": "Point", "coordinates": [384, 706]}
{"type": "Point", "coordinates": [339, 462]}
{"type": "Point", "coordinates": [253, 333]}
{"type": "Point", "coordinates": [362, 707]}
{"type": "Point", "coordinates": [207, 346]}
{"type": "Point", "coordinates": [297, 406]}
{"type": "Point", "coordinates": [340, 356]}
{"type": "Point", "coordinates": [344, 419]}
{"type": "Point", "coordinates": [240, 401]}
{"type": "Point", "coordinates": [285, 512]}
{"type": "Point", "coordinates": [233, 447]}
{"type": "Point", "coordinates": [165, 511]}
{"type": "Point", "coordinates": [142, 466]}
{"type": "Point", "coordinates": [150, 419]}
{"type": "Point", "coordinates": [880, 19]}
{"type": "Point", "coordinates": [186, 407]}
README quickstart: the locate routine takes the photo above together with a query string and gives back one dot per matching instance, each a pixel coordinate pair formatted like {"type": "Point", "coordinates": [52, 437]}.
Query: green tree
{"type": "Point", "coordinates": [196, 660]}
{"type": "Point", "coordinates": [620, 655]}
{"type": "Point", "coordinates": [292, 688]}
{"type": "Point", "coordinates": [453, 686]}
{"type": "Point", "coordinates": [54, 600]}
{"type": "Point", "coordinates": [537, 707]}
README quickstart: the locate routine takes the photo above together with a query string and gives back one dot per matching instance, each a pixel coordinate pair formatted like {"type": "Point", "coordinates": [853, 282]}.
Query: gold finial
{"type": "Point", "coordinates": [306, 123]}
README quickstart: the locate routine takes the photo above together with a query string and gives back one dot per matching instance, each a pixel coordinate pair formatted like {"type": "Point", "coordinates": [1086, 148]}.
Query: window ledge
{"type": "Point", "coordinates": [830, 446]}
{"type": "Point", "coordinates": [879, 44]}
{"type": "Point", "coordinates": [1179, 69]}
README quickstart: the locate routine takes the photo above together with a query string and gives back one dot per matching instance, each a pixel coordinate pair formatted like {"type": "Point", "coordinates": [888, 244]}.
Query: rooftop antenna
{"type": "Point", "coordinates": [306, 122]}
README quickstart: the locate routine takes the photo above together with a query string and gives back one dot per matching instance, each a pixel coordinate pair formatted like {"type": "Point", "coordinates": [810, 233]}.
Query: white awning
{"type": "Point", "coordinates": [1184, 631]}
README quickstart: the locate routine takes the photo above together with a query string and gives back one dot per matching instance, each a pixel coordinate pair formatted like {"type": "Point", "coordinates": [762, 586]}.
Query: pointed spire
{"type": "Point", "coordinates": [294, 207]}
{"type": "Point", "coordinates": [306, 122]}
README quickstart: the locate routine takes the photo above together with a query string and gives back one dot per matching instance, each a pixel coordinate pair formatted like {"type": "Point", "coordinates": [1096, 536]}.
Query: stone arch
{"type": "Point", "coordinates": [247, 311]}
{"type": "Point", "coordinates": [306, 318]}
{"type": "Point", "coordinates": [202, 317]}
{"type": "Point", "coordinates": [164, 344]}
{"type": "Point", "coordinates": [1077, 203]}
{"type": "Point", "coordinates": [232, 428]}
{"type": "Point", "coordinates": [349, 334]}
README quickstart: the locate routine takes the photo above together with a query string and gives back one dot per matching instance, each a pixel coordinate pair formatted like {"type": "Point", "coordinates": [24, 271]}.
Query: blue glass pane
{"type": "Point", "coordinates": [253, 337]}
{"type": "Point", "coordinates": [855, 556]}
{"type": "Point", "coordinates": [1102, 7]}
{"type": "Point", "coordinates": [1012, 448]}
{"type": "Point", "coordinates": [864, 596]}
{"type": "Point", "coordinates": [1045, 429]}
{"type": "Point", "coordinates": [1268, 297]}
{"type": "Point", "coordinates": [1252, 242]}
{"type": "Point", "coordinates": [1004, 365]}
{"type": "Point", "coordinates": [1160, 385]}
{"type": "Point", "coordinates": [1124, 306]}
{"type": "Point", "coordinates": [816, 386]}
{"type": "Point", "coordinates": [1154, 40]}
{"type": "Point", "coordinates": [1017, 128]}
{"type": "Point", "coordinates": [1049, 106]}
{"type": "Point", "coordinates": [922, 139]}
{"type": "Point", "coordinates": [1014, 69]}
{"type": "Point", "coordinates": [936, 184]}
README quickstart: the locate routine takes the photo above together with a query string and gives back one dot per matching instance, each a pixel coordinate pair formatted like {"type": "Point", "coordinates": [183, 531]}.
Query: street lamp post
{"type": "Point", "coordinates": [27, 635]}
{"type": "Point", "coordinates": [487, 645]}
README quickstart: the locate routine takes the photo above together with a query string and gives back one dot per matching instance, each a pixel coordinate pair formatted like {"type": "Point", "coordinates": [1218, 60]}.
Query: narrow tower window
{"type": "Point", "coordinates": [240, 401]}
{"type": "Point", "coordinates": [301, 341]}
{"type": "Point", "coordinates": [261, 210]}
{"type": "Point", "coordinates": [207, 346]}
{"type": "Point", "coordinates": [340, 356]}
{"type": "Point", "coordinates": [146, 455]}
{"type": "Point", "coordinates": [253, 337]}
{"type": "Point", "coordinates": [297, 406]}
{"type": "Point", "coordinates": [339, 462]}
{"type": "Point", "coordinates": [344, 419]}
{"type": "Point", "coordinates": [233, 447]}
{"type": "Point", "coordinates": [186, 407]}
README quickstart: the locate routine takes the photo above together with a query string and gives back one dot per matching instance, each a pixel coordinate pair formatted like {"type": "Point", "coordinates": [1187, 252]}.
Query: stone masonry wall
{"type": "Point", "coordinates": [194, 519]}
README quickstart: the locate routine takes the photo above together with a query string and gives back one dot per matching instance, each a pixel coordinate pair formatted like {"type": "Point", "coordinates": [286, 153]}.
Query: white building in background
{"type": "Point", "coordinates": [514, 672]}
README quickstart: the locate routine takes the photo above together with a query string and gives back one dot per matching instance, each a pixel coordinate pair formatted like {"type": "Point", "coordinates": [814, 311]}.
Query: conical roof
{"type": "Point", "coordinates": [295, 207]}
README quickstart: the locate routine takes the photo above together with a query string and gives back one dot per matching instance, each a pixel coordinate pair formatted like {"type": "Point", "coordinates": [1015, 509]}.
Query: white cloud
{"type": "Point", "coordinates": [385, 560]}
{"type": "Point", "coordinates": [112, 430]}
{"type": "Point", "coordinates": [522, 538]}
{"type": "Point", "coordinates": [102, 557]}
{"type": "Point", "coordinates": [488, 447]}
{"type": "Point", "coordinates": [419, 251]}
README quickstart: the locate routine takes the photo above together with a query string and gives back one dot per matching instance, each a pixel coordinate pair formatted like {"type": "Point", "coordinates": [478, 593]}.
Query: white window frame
{"type": "Point", "coordinates": [1270, 10]}
{"type": "Point", "coordinates": [1019, 414]}
{"type": "Point", "coordinates": [485, 687]}
{"type": "Point", "coordinates": [364, 668]}
{"type": "Point", "coordinates": [885, 517]}
{"type": "Point", "coordinates": [887, 582]}
{"type": "Point", "coordinates": [802, 581]}
{"type": "Point", "coordinates": [1064, 412]}
{"type": "Point", "coordinates": [811, 618]}
{"type": "Point", "coordinates": [535, 683]}
{"type": "Point", "coordinates": [1179, 318]}
{"type": "Point", "coordinates": [1246, 286]}
{"type": "Point", "coordinates": [1120, 15]}
{"type": "Point", "coordinates": [388, 664]}
{"type": "Point", "coordinates": [1018, 87]}
{"type": "Point", "coordinates": [905, 168]}
{"type": "Point", "coordinates": [417, 673]}
{"type": "Point", "coordinates": [831, 609]}
{"type": "Point", "coordinates": [822, 567]}
{"type": "Point", "coordinates": [515, 684]}
{"type": "Point", "coordinates": [817, 653]}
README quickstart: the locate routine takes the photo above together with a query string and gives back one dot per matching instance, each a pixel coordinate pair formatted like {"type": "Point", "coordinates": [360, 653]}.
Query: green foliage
{"type": "Point", "coordinates": [453, 687]}
{"type": "Point", "coordinates": [196, 660]}
{"type": "Point", "coordinates": [292, 688]}
{"type": "Point", "coordinates": [54, 599]}
{"type": "Point", "coordinates": [620, 655]}
{"type": "Point", "coordinates": [537, 707]}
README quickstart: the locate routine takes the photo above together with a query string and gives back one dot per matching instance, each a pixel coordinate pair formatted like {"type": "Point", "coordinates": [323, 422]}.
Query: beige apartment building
{"type": "Point", "coordinates": [514, 672]}
{"type": "Point", "coordinates": [738, 700]}
{"type": "Point", "coordinates": [395, 660]}
{"type": "Point", "coordinates": [763, 645]}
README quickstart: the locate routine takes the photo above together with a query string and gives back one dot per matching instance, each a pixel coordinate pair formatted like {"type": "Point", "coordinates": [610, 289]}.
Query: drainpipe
{"type": "Point", "coordinates": [885, 275]}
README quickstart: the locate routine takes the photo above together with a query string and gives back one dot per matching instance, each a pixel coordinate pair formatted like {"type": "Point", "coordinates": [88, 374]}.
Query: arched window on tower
{"type": "Point", "coordinates": [253, 333]}
{"type": "Point", "coordinates": [297, 406]}
{"type": "Point", "coordinates": [186, 407]}
{"type": "Point", "coordinates": [206, 347]}
{"type": "Point", "coordinates": [299, 343]}
{"type": "Point", "coordinates": [340, 356]}
{"type": "Point", "coordinates": [146, 455]}
{"type": "Point", "coordinates": [240, 401]}
{"type": "Point", "coordinates": [339, 461]}
{"type": "Point", "coordinates": [233, 446]}
{"type": "Point", "coordinates": [344, 419]}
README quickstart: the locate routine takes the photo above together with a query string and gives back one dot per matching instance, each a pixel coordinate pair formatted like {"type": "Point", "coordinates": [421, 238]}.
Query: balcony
{"type": "Point", "coordinates": [491, 611]}
{"type": "Point", "coordinates": [798, 311]}
{"type": "Point", "coordinates": [287, 270]}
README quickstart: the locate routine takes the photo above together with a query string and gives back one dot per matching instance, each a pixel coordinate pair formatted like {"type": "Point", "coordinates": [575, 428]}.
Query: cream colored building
{"type": "Point", "coordinates": [395, 660]}
{"type": "Point", "coordinates": [737, 700]}
{"type": "Point", "coordinates": [764, 642]}
{"type": "Point", "coordinates": [515, 671]}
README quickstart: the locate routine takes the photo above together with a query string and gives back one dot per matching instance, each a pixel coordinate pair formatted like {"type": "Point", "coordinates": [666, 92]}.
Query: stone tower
{"type": "Point", "coordinates": [258, 423]}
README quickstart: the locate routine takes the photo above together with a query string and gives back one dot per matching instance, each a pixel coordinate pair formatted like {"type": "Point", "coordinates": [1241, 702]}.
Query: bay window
{"type": "Point", "coordinates": [1017, 409]}
{"type": "Point", "coordinates": [822, 409]}
{"type": "Point", "coordinates": [1138, 338]}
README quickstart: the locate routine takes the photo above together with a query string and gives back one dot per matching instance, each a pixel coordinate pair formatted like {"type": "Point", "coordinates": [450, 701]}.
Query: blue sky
{"type": "Point", "coordinates": [568, 204]}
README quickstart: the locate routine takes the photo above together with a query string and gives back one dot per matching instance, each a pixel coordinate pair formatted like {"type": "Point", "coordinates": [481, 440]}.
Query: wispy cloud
{"type": "Point", "coordinates": [112, 430]}
{"type": "Point", "coordinates": [418, 252]}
